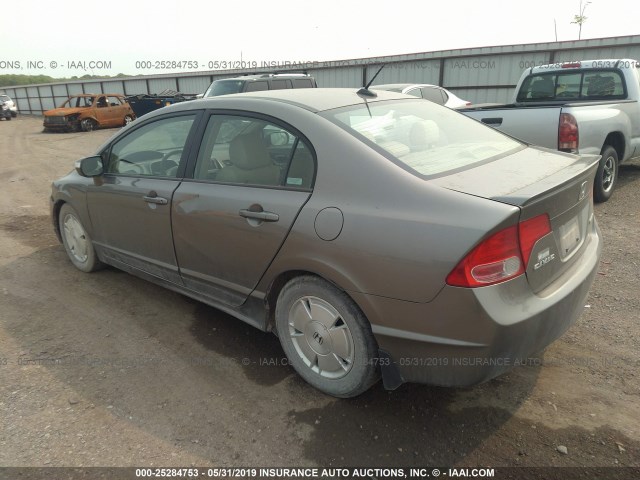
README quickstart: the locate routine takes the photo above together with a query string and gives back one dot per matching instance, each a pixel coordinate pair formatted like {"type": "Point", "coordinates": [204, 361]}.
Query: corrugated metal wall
{"type": "Point", "coordinates": [480, 75]}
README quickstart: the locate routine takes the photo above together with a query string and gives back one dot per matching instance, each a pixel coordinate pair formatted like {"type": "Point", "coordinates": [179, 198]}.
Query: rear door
{"type": "Point", "coordinates": [251, 177]}
{"type": "Point", "coordinates": [130, 205]}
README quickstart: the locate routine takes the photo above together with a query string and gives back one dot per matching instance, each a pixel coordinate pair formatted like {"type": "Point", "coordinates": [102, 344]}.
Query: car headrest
{"type": "Point", "coordinates": [249, 152]}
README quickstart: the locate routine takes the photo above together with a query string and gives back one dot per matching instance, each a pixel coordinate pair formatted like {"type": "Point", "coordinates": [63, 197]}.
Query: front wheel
{"type": "Point", "coordinates": [607, 174]}
{"type": "Point", "coordinates": [326, 337]}
{"type": "Point", "coordinates": [88, 125]}
{"type": "Point", "coordinates": [77, 241]}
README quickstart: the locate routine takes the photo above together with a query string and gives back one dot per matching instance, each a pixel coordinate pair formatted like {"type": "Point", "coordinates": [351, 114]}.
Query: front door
{"type": "Point", "coordinates": [130, 205]}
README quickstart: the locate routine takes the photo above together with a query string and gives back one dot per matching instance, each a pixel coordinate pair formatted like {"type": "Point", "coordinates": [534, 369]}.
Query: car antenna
{"type": "Point", "coordinates": [365, 90]}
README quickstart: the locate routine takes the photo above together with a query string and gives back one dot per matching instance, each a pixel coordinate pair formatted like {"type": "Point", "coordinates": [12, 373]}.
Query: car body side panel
{"type": "Point", "coordinates": [400, 239]}
{"type": "Point", "coordinates": [596, 122]}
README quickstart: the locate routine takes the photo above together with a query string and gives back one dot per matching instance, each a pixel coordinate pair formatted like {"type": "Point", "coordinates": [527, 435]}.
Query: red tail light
{"type": "Point", "coordinates": [502, 256]}
{"type": "Point", "coordinates": [567, 132]}
{"type": "Point", "coordinates": [530, 232]}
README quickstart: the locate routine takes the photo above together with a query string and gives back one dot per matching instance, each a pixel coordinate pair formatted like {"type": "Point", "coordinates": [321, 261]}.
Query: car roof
{"type": "Point", "coordinates": [312, 99]}
{"type": "Point", "coordinates": [264, 76]}
{"type": "Point", "coordinates": [96, 95]}
{"type": "Point", "coordinates": [403, 85]}
{"type": "Point", "coordinates": [585, 64]}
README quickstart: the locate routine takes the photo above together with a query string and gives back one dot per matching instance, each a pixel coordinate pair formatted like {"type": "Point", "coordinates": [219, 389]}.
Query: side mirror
{"type": "Point", "coordinates": [90, 166]}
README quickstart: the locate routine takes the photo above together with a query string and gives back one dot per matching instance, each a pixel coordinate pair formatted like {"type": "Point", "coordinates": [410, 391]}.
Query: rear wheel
{"type": "Point", "coordinates": [77, 241]}
{"type": "Point", "coordinates": [326, 337]}
{"type": "Point", "coordinates": [127, 120]}
{"type": "Point", "coordinates": [607, 174]}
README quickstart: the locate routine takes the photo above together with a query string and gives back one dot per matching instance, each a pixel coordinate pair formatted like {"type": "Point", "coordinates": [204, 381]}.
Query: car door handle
{"type": "Point", "coordinates": [492, 121]}
{"type": "Point", "coordinates": [262, 216]}
{"type": "Point", "coordinates": [154, 198]}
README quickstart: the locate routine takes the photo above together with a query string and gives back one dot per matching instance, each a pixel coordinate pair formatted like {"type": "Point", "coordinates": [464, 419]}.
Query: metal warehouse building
{"type": "Point", "coordinates": [485, 74]}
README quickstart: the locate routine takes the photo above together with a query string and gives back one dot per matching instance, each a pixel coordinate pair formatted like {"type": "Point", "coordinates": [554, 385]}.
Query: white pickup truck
{"type": "Point", "coordinates": [586, 107]}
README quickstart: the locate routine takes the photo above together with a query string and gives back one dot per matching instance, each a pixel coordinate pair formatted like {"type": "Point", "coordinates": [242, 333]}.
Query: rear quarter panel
{"type": "Point", "coordinates": [596, 122]}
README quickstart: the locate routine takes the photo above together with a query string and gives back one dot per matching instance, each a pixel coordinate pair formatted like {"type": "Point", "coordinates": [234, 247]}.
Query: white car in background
{"type": "Point", "coordinates": [434, 93]}
{"type": "Point", "coordinates": [7, 102]}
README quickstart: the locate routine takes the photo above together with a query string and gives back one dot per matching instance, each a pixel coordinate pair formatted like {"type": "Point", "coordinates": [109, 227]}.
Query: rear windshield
{"type": "Point", "coordinates": [422, 137]}
{"type": "Point", "coordinates": [573, 85]}
{"type": "Point", "coordinates": [224, 87]}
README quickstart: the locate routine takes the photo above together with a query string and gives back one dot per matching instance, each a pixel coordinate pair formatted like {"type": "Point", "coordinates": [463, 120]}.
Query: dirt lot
{"type": "Point", "coordinates": [106, 369]}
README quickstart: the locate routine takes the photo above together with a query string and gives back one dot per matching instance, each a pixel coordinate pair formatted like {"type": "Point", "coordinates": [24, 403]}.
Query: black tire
{"type": "Point", "coordinates": [14, 114]}
{"type": "Point", "coordinates": [607, 174]}
{"type": "Point", "coordinates": [8, 118]}
{"type": "Point", "coordinates": [344, 347]}
{"type": "Point", "coordinates": [77, 241]}
{"type": "Point", "coordinates": [127, 120]}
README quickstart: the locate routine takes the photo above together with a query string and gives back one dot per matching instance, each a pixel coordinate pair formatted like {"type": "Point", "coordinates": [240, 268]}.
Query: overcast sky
{"type": "Point", "coordinates": [121, 33]}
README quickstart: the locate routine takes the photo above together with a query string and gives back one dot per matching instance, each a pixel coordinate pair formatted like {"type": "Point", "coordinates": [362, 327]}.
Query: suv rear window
{"type": "Point", "coordinates": [422, 137]}
{"type": "Point", "coordinates": [573, 85]}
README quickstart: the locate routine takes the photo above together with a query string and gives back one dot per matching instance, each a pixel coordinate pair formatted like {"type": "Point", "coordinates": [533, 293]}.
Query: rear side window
{"type": "Point", "coordinates": [433, 94]}
{"type": "Point", "coordinates": [256, 86]}
{"type": "Point", "coordinates": [573, 85]}
{"type": "Point", "coordinates": [253, 151]}
{"type": "Point", "coordinates": [280, 84]}
{"type": "Point", "coordinates": [302, 83]}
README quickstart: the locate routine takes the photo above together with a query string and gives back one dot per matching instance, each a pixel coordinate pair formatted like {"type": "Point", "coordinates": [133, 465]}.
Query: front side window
{"type": "Point", "coordinates": [154, 149]}
{"type": "Point", "coordinates": [253, 151]}
{"type": "Point", "coordinates": [424, 138]}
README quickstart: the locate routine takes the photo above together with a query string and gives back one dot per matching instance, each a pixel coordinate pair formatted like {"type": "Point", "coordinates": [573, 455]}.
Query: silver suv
{"type": "Point", "coordinates": [255, 83]}
{"type": "Point", "coordinates": [6, 101]}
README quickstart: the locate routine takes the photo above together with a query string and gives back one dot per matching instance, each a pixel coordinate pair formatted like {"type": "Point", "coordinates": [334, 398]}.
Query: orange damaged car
{"type": "Point", "coordinates": [87, 112]}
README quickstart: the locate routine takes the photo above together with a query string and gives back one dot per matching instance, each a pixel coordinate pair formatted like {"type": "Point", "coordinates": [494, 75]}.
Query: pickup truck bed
{"type": "Point", "coordinates": [602, 118]}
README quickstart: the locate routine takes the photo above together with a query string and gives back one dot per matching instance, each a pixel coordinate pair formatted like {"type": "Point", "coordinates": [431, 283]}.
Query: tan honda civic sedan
{"type": "Point", "coordinates": [376, 234]}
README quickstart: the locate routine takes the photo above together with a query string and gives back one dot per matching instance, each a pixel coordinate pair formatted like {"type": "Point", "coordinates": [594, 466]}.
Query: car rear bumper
{"type": "Point", "coordinates": [468, 336]}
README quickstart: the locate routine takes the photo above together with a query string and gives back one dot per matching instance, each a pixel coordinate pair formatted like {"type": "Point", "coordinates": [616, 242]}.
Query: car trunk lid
{"type": "Point", "coordinates": [539, 181]}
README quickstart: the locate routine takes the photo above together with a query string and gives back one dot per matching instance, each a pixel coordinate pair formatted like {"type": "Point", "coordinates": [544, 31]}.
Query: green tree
{"type": "Point", "coordinates": [580, 18]}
